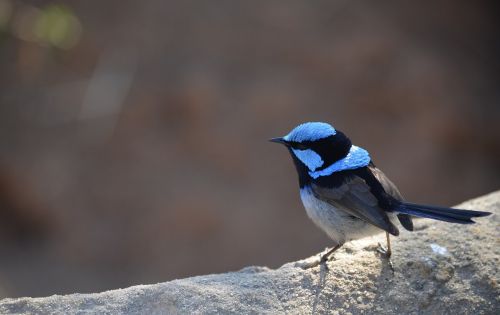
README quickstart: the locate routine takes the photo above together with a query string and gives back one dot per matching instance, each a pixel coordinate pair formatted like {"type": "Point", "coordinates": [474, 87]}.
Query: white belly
{"type": "Point", "coordinates": [339, 226]}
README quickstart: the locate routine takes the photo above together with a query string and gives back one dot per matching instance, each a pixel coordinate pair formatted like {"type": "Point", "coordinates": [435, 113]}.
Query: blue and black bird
{"type": "Point", "coordinates": [346, 195]}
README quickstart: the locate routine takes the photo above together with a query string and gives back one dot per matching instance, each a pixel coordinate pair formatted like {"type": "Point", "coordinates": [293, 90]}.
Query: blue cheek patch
{"type": "Point", "coordinates": [356, 158]}
{"type": "Point", "coordinates": [310, 158]}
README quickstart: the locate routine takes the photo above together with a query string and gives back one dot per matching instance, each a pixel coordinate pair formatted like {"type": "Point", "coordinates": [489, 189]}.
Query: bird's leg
{"type": "Point", "coordinates": [386, 251]}
{"type": "Point", "coordinates": [389, 250]}
{"type": "Point", "coordinates": [324, 257]}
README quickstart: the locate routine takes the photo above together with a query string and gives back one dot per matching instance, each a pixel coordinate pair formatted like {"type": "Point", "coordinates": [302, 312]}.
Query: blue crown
{"type": "Point", "coordinates": [310, 131]}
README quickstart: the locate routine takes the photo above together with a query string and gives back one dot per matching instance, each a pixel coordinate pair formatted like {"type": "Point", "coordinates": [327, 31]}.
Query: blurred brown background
{"type": "Point", "coordinates": [133, 134]}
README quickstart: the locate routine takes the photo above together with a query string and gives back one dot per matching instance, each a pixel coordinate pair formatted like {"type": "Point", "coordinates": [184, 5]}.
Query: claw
{"type": "Point", "coordinates": [383, 250]}
{"type": "Point", "coordinates": [387, 253]}
{"type": "Point", "coordinates": [308, 265]}
{"type": "Point", "coordinates": [323, 259]}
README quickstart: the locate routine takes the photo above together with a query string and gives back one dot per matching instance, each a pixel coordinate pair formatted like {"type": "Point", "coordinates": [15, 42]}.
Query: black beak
{"type": "Point", "coordinates": [278, 140]}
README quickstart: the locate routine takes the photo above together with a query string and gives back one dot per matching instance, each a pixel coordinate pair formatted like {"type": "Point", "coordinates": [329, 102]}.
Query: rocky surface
{"type": "Point", "coordinates": [161, 101]}
{"type": "Point", "coordinates": [438, 269]}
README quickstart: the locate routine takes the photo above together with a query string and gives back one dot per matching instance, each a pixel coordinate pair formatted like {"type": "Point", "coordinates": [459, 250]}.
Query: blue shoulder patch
{"type": "Point", "coordinates": [356, 158]}
{"type": "Point", "coordinates": [310, 131]}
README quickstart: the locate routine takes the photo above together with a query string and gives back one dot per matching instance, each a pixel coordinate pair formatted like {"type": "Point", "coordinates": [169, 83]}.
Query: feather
{"type": "Point", "coordinates": [441, 213]}
{"type": "Point", "coordinates": [392, 191]}
{"type": "Point", "coordinates": [355, 198]}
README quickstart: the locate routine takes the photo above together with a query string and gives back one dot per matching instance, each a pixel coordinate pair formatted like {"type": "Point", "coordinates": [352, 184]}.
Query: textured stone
{"type": "Point", "coordinates": [438, 269]}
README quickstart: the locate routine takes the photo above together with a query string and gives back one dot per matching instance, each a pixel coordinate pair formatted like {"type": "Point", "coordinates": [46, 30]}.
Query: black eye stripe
{"type": "Point", "coordinates": [299, 146]}
{"type": "Point", "coordinates": [304, 145]}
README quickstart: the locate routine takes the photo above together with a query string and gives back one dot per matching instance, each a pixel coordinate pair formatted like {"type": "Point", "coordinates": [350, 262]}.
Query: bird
{"type": "Point", "coordinates": [346, 195]}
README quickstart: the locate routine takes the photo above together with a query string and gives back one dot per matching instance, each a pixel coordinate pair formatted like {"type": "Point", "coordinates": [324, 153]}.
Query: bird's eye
{"type": "Point", "coordinates": [299, 146]}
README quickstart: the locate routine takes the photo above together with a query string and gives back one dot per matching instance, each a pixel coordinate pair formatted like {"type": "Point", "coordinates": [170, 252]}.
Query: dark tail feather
{"type": "Point", "coordinates": [405, 221]}
{"type": "Point", "coordinates": [440, 213]}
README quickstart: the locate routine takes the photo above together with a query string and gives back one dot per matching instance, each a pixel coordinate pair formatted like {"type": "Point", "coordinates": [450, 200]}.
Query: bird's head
{"type": "Point", "coordinates": [315, 145]}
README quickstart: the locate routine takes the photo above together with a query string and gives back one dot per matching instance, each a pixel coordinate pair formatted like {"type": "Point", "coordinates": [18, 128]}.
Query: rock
{"type": "Point", "coordinates": [440, 268]}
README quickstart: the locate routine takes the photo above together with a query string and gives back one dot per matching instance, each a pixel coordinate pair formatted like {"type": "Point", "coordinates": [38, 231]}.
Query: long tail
{"type": "Point", "coordinates": [440, 213]}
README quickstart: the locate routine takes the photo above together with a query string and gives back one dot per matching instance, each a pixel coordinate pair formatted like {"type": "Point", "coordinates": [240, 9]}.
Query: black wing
{"type": "Point", "coordinates": [354, 196]}
{"type": "Point", "coordinates": [393, 191]}
{"type": "Point", "coordinates": [386, 183]}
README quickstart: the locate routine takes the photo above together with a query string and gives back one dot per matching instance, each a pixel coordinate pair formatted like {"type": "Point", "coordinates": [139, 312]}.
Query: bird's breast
{"type": "Point", "coordinates": [338, 224]}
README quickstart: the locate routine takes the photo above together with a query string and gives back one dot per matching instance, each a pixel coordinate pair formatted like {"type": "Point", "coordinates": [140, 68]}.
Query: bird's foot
{"type": "Point", "coordinates": [322, 259]}
{"type": "Point", "coordinates": [326, 257]}
{"type": "Point", "coordinates": [384, 251]}
{"type": "Point", "coordinates": [309, 264]}
{"type": "Point", "coordinates": [387, 254]}
{"type": "Point", "coordinates": [306, 264]}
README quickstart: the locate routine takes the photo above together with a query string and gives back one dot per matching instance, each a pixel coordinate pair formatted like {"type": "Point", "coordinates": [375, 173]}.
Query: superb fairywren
{"type": "Point", "coordinates": [346, 195]}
